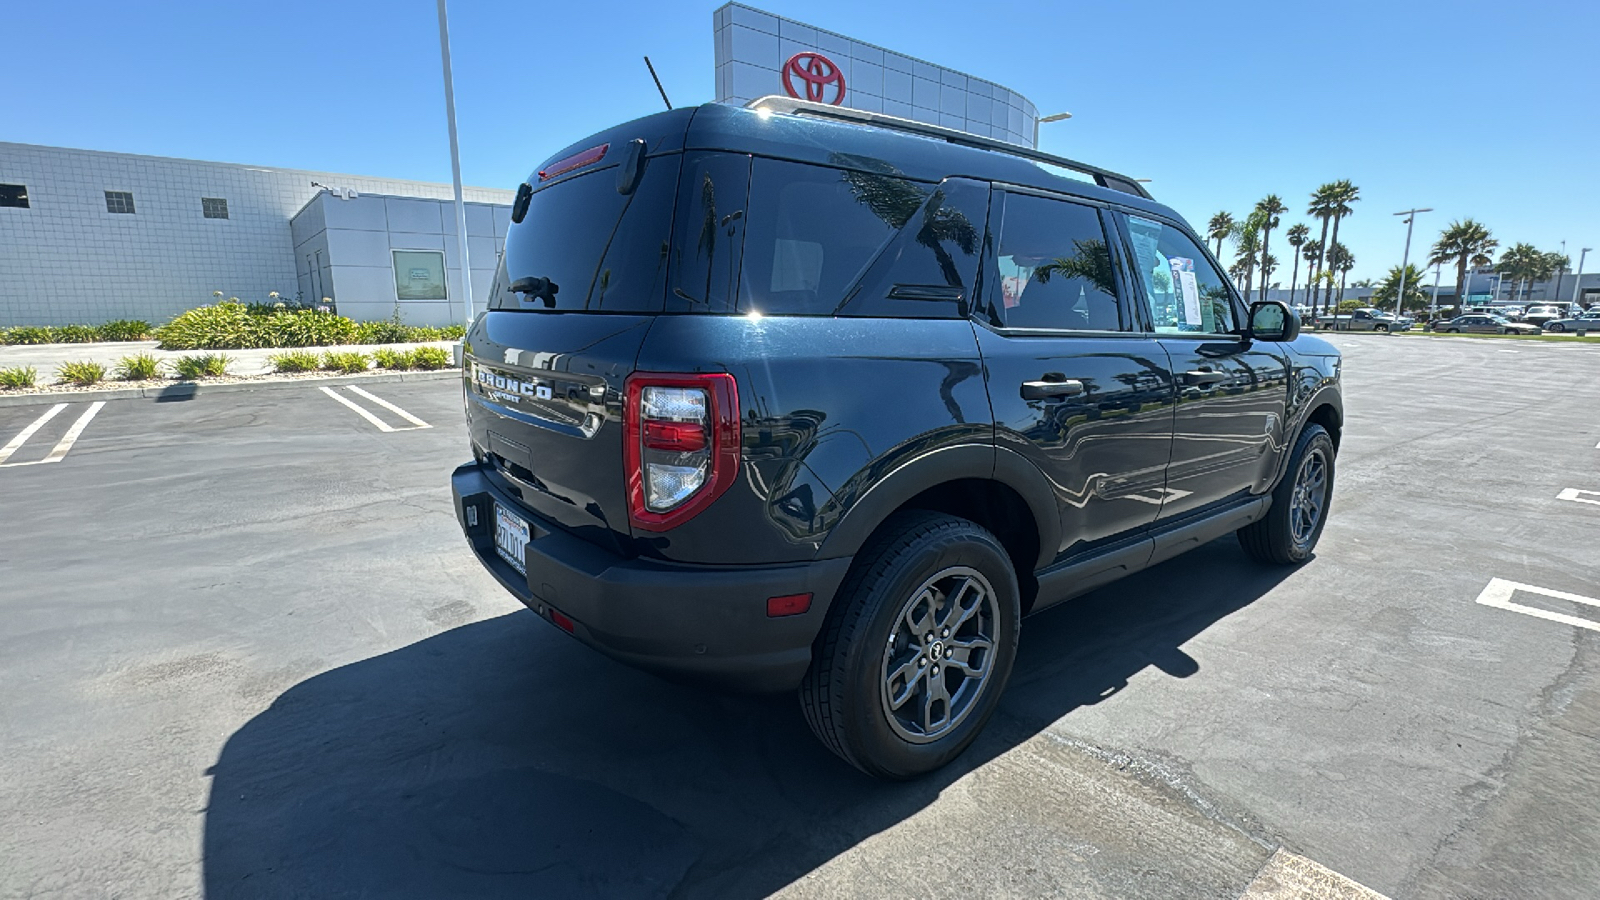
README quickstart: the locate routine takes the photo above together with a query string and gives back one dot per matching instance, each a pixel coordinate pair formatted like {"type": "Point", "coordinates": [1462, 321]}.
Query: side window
{"type": "Point", "coordinates": [708, 231]}
{"type": "Point", "coordinates": [1185, 292]}
{"type": "Point", "coordinates": [812, 230]}
{"type": "Point", "coordinates": [1053, 267]}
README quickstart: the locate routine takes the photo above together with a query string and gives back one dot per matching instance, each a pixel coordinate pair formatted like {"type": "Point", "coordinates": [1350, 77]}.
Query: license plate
{"type": "Point", "coordinates": [511, 538]}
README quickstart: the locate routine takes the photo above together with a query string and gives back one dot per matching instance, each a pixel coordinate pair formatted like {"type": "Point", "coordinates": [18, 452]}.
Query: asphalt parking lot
{"type": "Point", "coordinates": [245, 653]}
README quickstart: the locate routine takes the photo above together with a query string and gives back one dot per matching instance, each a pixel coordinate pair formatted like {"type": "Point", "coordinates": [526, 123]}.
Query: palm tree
{"type": "Point", "coordinates": [1340, 260]}
{"type": "Point", "coordinates": [1321, 207]}
{"type": "Point", "coordinates": [1343, 194]}
{"type": "Point", "coordinates": [1312, 252]}
{"type": "Point", "coordinates": [1297, 235]}
{"type": "Point", "coordinates": [1268, 210]}
{"type": "Point", "coordinates": [1248, 244]}
{"type": "Point", "coordinates": [1219, 229]}
{"type": "Point", "coordinates": [1461, 243]}
{"type": "Point", "coordinates": [1520, 261]}
{"type": "Point", "coordinates": [1415, 297]}
{"type": "Point", "coordinates": [1555, 264]}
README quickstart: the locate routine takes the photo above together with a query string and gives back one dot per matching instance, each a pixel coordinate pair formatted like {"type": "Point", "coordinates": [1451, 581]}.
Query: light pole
{"type": "Point", "coordinates": [1579, 280]}
{"type": "Point", "coordinates": [1405, 258]}
{"type": "Point", "coordinates": [455, 165]}
{"type": "Point", "coordinates": [1057, 117]}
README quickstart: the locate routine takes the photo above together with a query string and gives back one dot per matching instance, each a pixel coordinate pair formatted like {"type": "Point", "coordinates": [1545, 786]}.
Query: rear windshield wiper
{"type": "Point", "coordinates": [539, 288]}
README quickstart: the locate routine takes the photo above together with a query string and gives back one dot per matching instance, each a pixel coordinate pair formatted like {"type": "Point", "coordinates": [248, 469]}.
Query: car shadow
{"type": "Point", "coordinates": [503, 759]}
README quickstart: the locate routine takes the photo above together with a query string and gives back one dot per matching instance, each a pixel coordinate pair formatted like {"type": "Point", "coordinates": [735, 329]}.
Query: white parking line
{"type": "Point", "coordinates": [59, 451]}
{"type": "Point", "coordinates": [391, 407]}
{"type": "Point", "coordinates": [381, 425]}
{"type": "Point", "coordinates": [1572, 494]}
{"type": "Point", "coordinates": [1498, 595]}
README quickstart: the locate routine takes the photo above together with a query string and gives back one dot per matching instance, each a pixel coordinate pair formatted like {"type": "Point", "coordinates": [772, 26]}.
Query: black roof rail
{"type": "Point", "coordinates": [1103, 177]}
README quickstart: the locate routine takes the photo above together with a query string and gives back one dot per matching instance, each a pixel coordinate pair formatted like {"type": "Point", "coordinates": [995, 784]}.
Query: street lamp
{"type": "Point", "coordinates": [1056, 117]}
{"type": "Point", "coordinates": [1579, 280]}
{"type": "Point", "coordinates": [1405, 259]}
{"type": "Point", "coordinates": [455, 164]}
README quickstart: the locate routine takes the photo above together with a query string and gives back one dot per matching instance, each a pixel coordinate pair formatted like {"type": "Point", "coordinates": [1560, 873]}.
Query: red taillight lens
{"type": "Point", "coordinates": [682, 437]}
{"type": "Point", "coordinates": [575, 161]}
{"type": "Point", "coordinates": [788, 605]}
{"type": "Point", "coordinates": [682, 445]}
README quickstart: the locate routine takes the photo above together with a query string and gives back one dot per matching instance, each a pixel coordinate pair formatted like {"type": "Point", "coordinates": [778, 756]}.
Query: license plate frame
{"type": "Point", "coordinates": [511, 538]}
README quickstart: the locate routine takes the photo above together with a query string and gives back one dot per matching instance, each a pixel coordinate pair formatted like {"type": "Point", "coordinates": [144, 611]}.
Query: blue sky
{"type": "Point", "coordinates": [1489, 110]}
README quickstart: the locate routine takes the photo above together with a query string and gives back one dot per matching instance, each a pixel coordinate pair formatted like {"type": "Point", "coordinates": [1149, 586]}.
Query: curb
{"type": "Point", "coordinates": [188, 389]}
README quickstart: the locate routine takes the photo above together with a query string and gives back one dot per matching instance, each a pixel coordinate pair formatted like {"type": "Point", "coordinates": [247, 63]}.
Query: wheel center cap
{"type": "Point", "coordinates": [936, 649]}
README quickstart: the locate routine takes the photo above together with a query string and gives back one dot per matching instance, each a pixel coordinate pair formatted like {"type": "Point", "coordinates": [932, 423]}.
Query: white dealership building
{"type": "Point", "coordinates": [87, 236]}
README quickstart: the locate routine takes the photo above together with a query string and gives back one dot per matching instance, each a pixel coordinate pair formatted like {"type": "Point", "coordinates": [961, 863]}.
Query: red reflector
{"type": "Point", "coordinates": [681, 436]}
{"type": "Point", "coordinates": [789, 605]}
{"type": "Point", "coordinates": [575, 161]}
{"type": "Point", "coordinates": [562, 622]}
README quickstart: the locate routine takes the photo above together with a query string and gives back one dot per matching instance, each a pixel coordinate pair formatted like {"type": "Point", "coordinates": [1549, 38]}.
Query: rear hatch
{"type": "Point", "coordinates": [582, 277]}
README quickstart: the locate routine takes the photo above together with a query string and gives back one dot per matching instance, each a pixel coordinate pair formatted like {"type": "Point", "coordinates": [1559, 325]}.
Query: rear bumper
{"type": "Point", "coordinates": [707, 624]}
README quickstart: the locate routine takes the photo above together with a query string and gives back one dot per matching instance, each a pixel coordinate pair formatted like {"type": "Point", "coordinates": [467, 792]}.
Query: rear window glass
{"type": "Point", "coordinates": [811, 231]}
{"type": "Point", "coordinates": [604, 250]}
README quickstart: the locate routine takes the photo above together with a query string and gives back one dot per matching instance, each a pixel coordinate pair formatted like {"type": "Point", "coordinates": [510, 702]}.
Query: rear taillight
{"type": "Point", "coordinates": [682, 445]}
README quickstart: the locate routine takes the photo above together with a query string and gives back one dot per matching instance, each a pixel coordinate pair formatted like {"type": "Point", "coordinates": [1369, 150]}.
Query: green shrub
{"type": "Point", "coordinates": [452, 332]}
{"type": "Point", "coordinates": [392, 331]}
{"type": "Point", "coordinates": [28, 334]}
{"type": "Point", "coordinates": [123, 330]}
{"type": "Point", "coordinates": [430, 358]}
{"type": "Point", "coordinates": [350, 362]}
{"type": "Point", "coordinates": [391, 359]}
{"type": "Point", "coordinates": [206, 365]}
{"type": "Point", "coordinates": [139, 367]}
{"type": "Point", "coordinates": [295, 361]}
{"type": "Point", "coordinates": [225, 326]}
{"type": "Point", "coordinates": [82, 373]}
{"type": "Point", "coordinates": [74, 334]}
{"type": "Point", "coordinates": [20, 377]}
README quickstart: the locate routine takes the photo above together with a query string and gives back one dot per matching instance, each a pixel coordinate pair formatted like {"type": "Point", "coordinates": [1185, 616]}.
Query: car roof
{"type": "Point", "coordinates": [871, 148]}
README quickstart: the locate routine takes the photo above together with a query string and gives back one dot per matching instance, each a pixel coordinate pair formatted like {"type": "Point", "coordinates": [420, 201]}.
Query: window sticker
{"type": "Point", "coordinates": [1183, 276]}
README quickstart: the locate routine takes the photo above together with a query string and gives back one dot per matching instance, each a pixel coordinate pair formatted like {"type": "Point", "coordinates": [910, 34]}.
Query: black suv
{"type": "Point", "coordinates": [795, 396]}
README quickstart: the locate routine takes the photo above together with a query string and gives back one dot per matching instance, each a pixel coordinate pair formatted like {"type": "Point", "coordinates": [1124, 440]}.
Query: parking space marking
{"type": "Point", "coordinates": [59, 451]}
{"type": "Point", "coordinates": [1572, 494]}
{"type": "Point", "coordinates": [1498, 595]}
{"type": "Point", "coordinates": [391, 407]}
{"type": "Point", "coordinates": [363, 413]}
{"type": "Point", "coordinates": [22, 438]}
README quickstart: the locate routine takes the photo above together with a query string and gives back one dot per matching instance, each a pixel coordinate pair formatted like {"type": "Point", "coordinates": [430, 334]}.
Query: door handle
{"type": "Point", "coordinates": [1054, 384]}
{"type": "Point", "coordinates": [1204, 378]}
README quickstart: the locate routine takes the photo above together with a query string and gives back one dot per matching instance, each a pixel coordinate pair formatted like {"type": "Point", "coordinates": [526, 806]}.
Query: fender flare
{"type": "Point", "coordinates": [937, 467]}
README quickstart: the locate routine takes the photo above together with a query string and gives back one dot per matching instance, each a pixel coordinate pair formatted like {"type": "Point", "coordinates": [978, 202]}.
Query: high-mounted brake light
{"type": "Point", "coordinates": [576, 161]}
{"type": "Point", "coordinates": [681, 435]}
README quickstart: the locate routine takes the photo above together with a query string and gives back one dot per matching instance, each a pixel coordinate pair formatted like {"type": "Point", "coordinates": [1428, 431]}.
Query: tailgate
{"type": "Point", "coordinates": [544, 407]}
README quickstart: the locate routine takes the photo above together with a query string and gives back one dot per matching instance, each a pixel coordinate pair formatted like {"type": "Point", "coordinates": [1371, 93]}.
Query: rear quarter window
{"type": "Point", "coordinates": [811, 231]}
{"type": "Point", "coordinates": [605, 251]}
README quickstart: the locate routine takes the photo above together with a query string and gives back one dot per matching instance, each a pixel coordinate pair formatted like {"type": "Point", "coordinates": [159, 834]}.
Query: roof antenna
{"type": "Point", "coordinates": [658, 83]}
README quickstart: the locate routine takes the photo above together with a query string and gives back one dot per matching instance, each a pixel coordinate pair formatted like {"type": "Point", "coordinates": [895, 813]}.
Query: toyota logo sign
{"type": "Point", "coordinates": [814, 74]}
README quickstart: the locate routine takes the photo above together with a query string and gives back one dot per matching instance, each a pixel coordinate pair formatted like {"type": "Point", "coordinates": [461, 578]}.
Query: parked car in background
{"type": "Point", "coordinates": [1514, 313]}
{"type": "Point", "coordinates": [1480, 323]}
{"type": "Point", "coordinates": [1587, 321]}
{"type": "Point", "coordinates": [1538, 315]}
{"type": "Point", "coordinates": [1365, 319]}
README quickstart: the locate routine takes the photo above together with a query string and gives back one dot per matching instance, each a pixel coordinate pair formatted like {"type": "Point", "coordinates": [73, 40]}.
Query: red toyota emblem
{"type": "Point", "coordinates": [816, 72]}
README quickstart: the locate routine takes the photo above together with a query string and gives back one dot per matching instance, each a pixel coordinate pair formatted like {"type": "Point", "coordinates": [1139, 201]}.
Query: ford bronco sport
{"type": "Point", "coordinates": [801, 397]}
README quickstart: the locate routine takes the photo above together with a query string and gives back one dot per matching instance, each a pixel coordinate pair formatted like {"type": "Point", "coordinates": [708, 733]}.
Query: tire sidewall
{"type": "Point", "coordinates": [1313, 437]}
{"type": "Point", "coordinates": [866, 724]}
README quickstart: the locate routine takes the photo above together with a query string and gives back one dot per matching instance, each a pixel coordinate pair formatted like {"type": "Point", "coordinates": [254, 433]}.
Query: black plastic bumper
{"type": "Point", "coordinates": [701, 623]}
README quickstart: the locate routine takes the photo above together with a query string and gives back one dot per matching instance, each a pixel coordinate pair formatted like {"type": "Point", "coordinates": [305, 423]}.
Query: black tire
{"type": "Point", "coordinates": [1556, 326]}
{"type": "Point", "coordinates": [1382, 328]}
{"type": "Point", "coordinates": [1452, 331]}
{"type": "Point", "coordinates": [846, 692]}
{"type": "Point", "coordinates": [1281, 537]}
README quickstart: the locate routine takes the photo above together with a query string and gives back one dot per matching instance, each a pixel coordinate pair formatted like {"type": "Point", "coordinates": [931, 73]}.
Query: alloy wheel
{"type": "Point", "coordinates": [1310, 497]}
{"type": "Point", "coordinates": [940, 655]}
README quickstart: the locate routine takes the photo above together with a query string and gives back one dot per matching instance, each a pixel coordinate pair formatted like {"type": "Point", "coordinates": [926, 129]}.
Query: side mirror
{"type": "Point", "coordinates": [1272, 320]}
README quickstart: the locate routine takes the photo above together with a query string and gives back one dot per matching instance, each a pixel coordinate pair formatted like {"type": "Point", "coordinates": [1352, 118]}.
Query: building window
{"type": "Point", "coordinates": [419, 275]}
{"type": "Point", "coordinates": [214, 207]}
{"type": "Point", "coordinates": [14, 195]}
{"type": "Point", "coordinates": [119, 202]}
